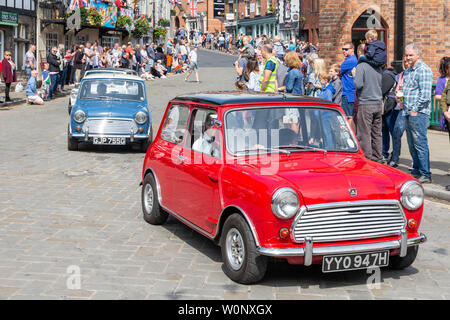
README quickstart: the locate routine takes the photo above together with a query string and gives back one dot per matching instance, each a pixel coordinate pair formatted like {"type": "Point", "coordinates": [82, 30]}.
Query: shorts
{"type": "Point", "coordinates": [193, 66]}
{"type": "Point", "coordinates": [347, 106]}
{"type": "Point", "coordinates": [34, 99]}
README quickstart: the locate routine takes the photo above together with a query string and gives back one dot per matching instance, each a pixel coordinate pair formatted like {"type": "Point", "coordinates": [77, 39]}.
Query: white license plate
{"type": "Point", "coordinates": [355, 261]}
{"type": "Point", "coordinates": [111, 141]}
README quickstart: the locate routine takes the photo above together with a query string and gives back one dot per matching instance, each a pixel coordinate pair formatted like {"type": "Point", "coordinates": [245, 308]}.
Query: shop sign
{"type": "Point", "coordinates": [9, 18]}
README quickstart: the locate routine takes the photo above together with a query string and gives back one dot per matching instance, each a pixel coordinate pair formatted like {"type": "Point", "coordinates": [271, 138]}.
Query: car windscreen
{"type": "Point", "coordinates": [290, 128]}
{"type": "Point", "coordinates": [115, 89]}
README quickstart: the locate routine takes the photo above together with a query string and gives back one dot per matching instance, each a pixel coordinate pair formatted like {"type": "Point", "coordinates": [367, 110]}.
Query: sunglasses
{"type": "Point", "coordinates": [345, 49]}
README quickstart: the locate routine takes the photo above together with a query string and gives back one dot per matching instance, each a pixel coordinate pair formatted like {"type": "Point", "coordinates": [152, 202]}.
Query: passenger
{"type": "Point", "coordinates": [208, 143]}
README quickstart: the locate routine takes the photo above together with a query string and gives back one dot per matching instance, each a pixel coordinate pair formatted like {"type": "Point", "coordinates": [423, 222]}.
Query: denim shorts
{"type": "Point", "coordinates": [347, 106]}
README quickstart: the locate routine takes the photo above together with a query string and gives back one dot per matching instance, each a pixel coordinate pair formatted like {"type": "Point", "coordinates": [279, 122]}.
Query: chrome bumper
{"type": "Point", "coordinates": [88, 135]}
{"type": "Point", "coordinates": [309, 250]}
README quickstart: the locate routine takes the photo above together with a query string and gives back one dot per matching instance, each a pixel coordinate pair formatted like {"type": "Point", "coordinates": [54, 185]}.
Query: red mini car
{"type": "Point", "coordinates": [269, 175]}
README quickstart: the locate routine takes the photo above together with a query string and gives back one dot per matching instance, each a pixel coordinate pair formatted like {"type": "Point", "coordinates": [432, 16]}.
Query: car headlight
{"type": "Point", "coordinates": [285, 203]}
{"type": "Point", "coordinates": [79, 116]}
{"type": "Point", "coordinates": [411, 195]}
{"type": "Point", "coordinates": [140, 117]}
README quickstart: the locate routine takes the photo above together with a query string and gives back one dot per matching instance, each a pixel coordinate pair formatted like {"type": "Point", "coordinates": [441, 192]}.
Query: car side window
{"type": "Point", "coordinates": [175, 124]}
{"type": "Point", "coordinates": [204, 134]}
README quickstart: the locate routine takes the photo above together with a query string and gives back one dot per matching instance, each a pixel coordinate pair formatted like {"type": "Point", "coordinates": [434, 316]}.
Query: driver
{"type": "Point", "coordinates": [208, 142]}
{"type": "Point", "coordinates": [101, 89]}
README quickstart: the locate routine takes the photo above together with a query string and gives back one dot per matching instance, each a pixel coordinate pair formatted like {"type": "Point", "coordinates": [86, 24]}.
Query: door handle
{"type": "Point", "coordinates": [213, 179]}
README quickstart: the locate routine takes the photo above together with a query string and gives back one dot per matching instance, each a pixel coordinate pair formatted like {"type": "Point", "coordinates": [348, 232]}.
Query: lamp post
{"type": "Point", "coordinates": [237, 18]}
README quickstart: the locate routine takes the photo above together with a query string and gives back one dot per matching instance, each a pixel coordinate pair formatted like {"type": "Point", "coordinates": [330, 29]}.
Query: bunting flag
{"type": "Point", "coordinates": [175, 2]}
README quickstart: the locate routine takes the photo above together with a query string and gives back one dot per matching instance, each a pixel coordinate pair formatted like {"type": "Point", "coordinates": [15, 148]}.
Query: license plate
{"type": "Point", "coordinates": [112, 141]}
{"type": "Point", "coordinates": [355, 261]}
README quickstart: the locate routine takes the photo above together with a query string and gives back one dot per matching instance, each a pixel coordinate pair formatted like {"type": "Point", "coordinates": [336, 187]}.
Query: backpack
{"type": "Point", "coordinates": [389, 101]}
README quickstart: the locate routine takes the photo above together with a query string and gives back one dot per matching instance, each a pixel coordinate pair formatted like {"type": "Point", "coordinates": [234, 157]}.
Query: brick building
{"type": "Point", "coordinates": [204, 21]}
{"type": "Point", "coordinates": [425, 22]}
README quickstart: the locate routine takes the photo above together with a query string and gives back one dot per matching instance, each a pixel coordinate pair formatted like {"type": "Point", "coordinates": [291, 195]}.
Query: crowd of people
{"type": "Point", "coordinates": [66, 67]}
{"type": "Point", "coordinates": [380, 104]}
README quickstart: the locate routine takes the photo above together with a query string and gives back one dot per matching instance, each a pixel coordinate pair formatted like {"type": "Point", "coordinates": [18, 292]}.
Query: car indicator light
{"type": "Point", "coordinates": [412, 223]}
{"type": "Point", "coordinates": [284, 233]}
{"type": "Point", "coordinates": [141, 130]}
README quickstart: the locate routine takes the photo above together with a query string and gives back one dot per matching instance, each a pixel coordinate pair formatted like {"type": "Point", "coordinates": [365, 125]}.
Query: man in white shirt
{"type": "Point", "coordinates": [193, 64]}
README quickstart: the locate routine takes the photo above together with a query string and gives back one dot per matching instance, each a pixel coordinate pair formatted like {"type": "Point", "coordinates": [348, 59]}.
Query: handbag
{"type": "Point", "coordinates": [443, 123]}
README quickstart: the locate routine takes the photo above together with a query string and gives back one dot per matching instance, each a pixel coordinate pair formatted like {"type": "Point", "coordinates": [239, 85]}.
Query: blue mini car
{"type": "Point", "coordinates": [110, 109]}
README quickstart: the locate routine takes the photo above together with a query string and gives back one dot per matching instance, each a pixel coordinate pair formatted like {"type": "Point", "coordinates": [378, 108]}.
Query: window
{"type": "Point", "coordinates": [2, 43]}
{"type": "Point", "coordinates": [175, 124]}
{"type": "Point", "coordinates": [204, 133]}
{"type": "Point", "coordinates": [108, 41]}
{"type": "Point", "coordinates": [51, 40]}
{"type": "Point", "coordinates": [247, 9]}
{"type": "Point", "coordinates": [297, 129]}
{"type": "Point", "coordinates": [258, 7]}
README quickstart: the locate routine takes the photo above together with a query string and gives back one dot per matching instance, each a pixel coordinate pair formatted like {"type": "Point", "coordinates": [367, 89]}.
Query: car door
{"type": "Point", "coordinates": [169, 147]}
{"type": "Point", "coordinates": [202, 161]}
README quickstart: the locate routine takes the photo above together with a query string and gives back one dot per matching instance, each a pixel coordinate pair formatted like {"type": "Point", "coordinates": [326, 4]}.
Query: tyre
{"type": "Point", "coordinates": [72, 143]}
{"type": "Point", "coordinates": [146, 143]}
{"type": "Point", "coordinates": [398, 263]}
{"type": "Point", "coordinates": [242, 263]}
{"type": "Point", "coordinates": [151, 209]}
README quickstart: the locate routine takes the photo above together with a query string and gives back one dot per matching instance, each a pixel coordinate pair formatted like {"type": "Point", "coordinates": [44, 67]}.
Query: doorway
{"type": "Point", "coordinates": [369, 20]}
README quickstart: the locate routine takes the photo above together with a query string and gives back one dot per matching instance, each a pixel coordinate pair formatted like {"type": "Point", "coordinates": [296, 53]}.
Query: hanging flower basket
{"type": "Point", "coordinates": [141, 27]}
{"type": "Point", "coordinates": [159, 32]}
{"type": "Point", "coordinates": [95, 17]}
{"type": "Point", "coordinates": [164, 22]}
{"type": "Point", "coordinates": [122, 21]}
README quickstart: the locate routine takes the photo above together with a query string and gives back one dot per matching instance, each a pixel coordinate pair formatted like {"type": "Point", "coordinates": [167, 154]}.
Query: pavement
{"type": "Point", "coordinates": [71, 224]}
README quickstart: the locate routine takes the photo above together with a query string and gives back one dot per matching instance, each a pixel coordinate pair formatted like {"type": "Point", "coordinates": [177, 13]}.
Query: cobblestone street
{"type": "Point", "coordinates": [61, 210]}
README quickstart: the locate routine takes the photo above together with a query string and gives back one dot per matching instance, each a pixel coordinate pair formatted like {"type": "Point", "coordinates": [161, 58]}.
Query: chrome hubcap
{"type": "Point", "coordinates": [148, 198]}
{"type": "Point", "coordinates": [235, 249]}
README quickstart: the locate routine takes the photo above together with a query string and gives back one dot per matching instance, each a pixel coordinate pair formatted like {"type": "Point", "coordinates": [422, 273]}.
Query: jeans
{"type": "Point", "coordinates": [387, 131]}
{"type": "Point", "coordinates": [397, 133]}
{"type": "Point", "coordinates": [347, 106]}
{"type": "Point", "coordinates": [328, 137]}
{"type": "Point", "coordinates": [53, 85]}
{"type": "Point", "coordinates": [416, 133]}
{"type": "Point", "coordinates": [62, 79]}
{"type": "Point", "coordinates": [28, 71]}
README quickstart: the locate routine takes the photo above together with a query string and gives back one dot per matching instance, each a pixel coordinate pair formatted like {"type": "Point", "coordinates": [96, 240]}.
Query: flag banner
{"type": "Point", "coordinates": [108, 13]}
{"type": "Point", "coordinates": [193, 8]}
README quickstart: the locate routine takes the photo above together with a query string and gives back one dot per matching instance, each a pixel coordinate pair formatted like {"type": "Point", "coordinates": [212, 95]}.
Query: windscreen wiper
{"type": "Point", "coordinates": [303, 147]}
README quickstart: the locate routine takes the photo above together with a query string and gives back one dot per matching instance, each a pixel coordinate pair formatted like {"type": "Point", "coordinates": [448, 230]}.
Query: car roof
{"type": "Point", "coordinates": [237, 97]}
{"type": "Point", "coordinates": [108, 70]}
{"type": "Point", "coordinates": [112, 75]}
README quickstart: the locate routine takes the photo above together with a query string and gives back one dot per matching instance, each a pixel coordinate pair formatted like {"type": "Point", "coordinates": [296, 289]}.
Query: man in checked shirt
{"type": "Point", "coordinates": [417, 90]}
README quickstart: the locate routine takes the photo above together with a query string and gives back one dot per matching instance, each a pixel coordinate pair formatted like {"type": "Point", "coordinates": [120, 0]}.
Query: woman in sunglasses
{"type": "Point", "coordinates": [9, 73]}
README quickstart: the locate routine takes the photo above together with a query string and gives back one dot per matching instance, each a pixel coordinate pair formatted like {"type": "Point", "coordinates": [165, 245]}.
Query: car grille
{"type": "Point", "coordinates": [349, 221]}
{"type": "Point", "coordinates": [110, 126]}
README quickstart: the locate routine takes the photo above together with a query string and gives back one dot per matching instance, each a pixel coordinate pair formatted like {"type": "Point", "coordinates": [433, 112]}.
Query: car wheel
{"type": "Point", "coordinates": [242, 263]}
{"type": "Point", "coordinates": [151, 208]}
{"type": "Point", "coordinates": [146, 143]}
{"type": "Point", "coordinates": [72, 143]}
{"type": "Point", "coordinates": [397, 262]}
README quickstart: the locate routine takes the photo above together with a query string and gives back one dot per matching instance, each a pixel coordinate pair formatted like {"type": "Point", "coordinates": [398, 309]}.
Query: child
{"type": "Point", "coordinates": [327, 88]}
{"type": "Point", "coordinates": [45, 82]}
{"type": "Point", "coordinates": [335, 70]}
{"type": "Point", "coordinates": [247, 51]}
{"type": "Point", "coordinates": [375, 51]}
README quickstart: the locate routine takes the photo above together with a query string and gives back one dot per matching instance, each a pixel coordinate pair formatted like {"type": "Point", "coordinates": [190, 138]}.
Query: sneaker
{"type": "Point", "coordinates": [424, 179]}
{"type": "Point", "coordinates": [393, 164]}
{"type": "Point", "coordinates": [415, 175]}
